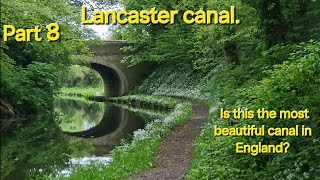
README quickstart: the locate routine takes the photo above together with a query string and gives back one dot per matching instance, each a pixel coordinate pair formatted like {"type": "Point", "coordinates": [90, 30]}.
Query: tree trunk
{"type": "Point", "coordinates": [5, 109]}
{"type": "Point", "coordinates": [273, 22]}
{"type": "Point", "coordinates": [231, 50]}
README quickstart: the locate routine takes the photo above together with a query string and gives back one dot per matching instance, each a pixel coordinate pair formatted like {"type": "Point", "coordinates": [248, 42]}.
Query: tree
{"type": "Point", "coordinates": [283, 21]}
{"type": "Point", "coordinates": [30, 70]}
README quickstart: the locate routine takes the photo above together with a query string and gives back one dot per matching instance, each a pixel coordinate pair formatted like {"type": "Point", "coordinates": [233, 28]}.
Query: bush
{"type": "Point", "coordinates": [31, 89]}
{"type": "Point", "coordinates": [292, 85]}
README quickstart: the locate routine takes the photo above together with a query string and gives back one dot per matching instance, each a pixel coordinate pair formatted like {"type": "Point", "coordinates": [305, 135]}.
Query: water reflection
{"type": "Point", "coordinates": [76, 115]}
{"type": "Point", "coordinates": [104, 125]}
{"type": "Point", "coordinates": [82, 124]}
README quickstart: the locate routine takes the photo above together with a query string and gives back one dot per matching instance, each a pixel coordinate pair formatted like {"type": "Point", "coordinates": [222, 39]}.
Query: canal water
{"type": "Point", "coordinates": [100, 124]}
{"type": "Point", "coordinates": [105, 125]}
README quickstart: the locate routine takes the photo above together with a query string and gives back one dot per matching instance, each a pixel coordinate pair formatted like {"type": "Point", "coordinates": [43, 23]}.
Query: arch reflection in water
{"type": "Point", "coordinates": [114, 124]}
{"type": "Point", "coordinates": [77, 115]}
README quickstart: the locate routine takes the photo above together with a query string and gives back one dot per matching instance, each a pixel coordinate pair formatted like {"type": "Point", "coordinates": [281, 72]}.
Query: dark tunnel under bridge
{"type": "Point", "coordinates": [118, 78]}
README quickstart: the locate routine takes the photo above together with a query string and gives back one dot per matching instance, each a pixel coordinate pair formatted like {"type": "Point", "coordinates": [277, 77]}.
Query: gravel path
{"type": "Point", "coordinates": [175, 155]}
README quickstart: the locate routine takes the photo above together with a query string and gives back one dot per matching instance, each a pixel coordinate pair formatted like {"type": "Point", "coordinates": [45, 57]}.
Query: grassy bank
{"type": "Point", "coordinates": [81, 91]}
{"type": "Point", "coordinates": [180, 80]}
{"type": "Point", "coordinates": [148, 100]}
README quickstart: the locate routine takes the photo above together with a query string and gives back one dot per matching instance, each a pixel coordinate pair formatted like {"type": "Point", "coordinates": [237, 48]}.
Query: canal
{"type": "Point", "coordinates": [97, 126]}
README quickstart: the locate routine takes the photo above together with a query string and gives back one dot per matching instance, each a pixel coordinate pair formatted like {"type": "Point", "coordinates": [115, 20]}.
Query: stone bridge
{"type": "Point", "coordinates": [118, 77]}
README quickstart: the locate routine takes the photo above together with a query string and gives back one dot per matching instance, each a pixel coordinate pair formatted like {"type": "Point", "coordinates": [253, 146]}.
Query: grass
{"type": "Point", "coordinates": [151, 112]}
{"type": "Point", "coordinates": [81, 91]}
{"type": "Point", "coordinates": [159, 100]}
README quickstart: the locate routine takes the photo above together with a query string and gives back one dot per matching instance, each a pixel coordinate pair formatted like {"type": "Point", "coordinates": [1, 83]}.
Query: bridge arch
{"type": "Point", "coordinates": [117, 124]}
{"type": "Point", "coordinates": [114, 80]}
{"type": "Point", "coordinates": [118, 78]}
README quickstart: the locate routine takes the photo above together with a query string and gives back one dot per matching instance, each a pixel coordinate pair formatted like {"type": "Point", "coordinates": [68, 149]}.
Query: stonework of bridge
{"type": "Point", "coordinates": [118, 77]}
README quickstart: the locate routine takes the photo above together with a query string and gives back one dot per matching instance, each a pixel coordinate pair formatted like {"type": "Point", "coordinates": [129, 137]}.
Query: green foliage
{"type": "Point", "coordinates": [254, 65]}
{"type": "Point", "coordinates": [81, 76]}
{"type": "Point", "coordinates": [286, 21]}
{"type": "Point", "coordinates": [227, 78]}
{"type": "Point", "coordinates": [30, 89]}
{"type": "Point", "coordinates": [205, 45]}
{"type": "Point", "coordinates": [263, 24]}
{"type": "Point", "coordinates": [258, 44]}
{"type": "Point", "coordinates": [30, 73]}
{"type": "Point", "coordinates": [297, 77]}
{"type": "Point", "coordinates": [155, 42]}
{"type": "Point", "coordinates": [31, 70]}
{"type": "Point", "coordinates": [292, 85]}
{"type": "Point", "coordinates": [81, 91]}
{"type": "Point", "coordinates": [25, 147]}
{"type": "Point", "coordinates": [159, 48]}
